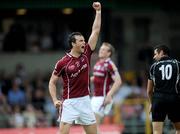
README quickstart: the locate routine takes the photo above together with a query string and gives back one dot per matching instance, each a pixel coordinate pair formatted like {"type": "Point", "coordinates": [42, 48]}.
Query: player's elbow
{"type": "Point", "coordinates": [51, 83]}
{"type": "Point", "coordinates": [96, 32]}
{"type": "Point", "coordinates": [118, 82]}
{"type": "Point", "coordinates": [96, 29]}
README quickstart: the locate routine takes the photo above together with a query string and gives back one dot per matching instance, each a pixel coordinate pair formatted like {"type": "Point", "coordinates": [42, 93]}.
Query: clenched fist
{"type": "Point", "coordinates": [97, 6]}
{"type": "Point", "coordinates": [57, 103]}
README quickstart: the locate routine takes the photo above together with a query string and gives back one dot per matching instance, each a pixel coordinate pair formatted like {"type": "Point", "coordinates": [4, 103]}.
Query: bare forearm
{"type": "Point", "coordinates": [150, 87]}
{"type": "Point", "coordinates": [149, 95]}
{"type": "Point", "coordinates": [97, 22]}
{"type": "Point", "coordinates": [52, 91]}
{"type": "Point", "coordinates": [96, 26]}
{"type": "Point", "coordinates": [115, 87]}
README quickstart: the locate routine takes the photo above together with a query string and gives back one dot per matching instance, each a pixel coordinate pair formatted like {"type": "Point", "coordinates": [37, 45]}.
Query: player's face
{"type": "Point", "coordinates": [79, 45]}
{"type": "Point", "coordinates": [104, 52]}
{"type": "Point", "coordinates": [157, 56]}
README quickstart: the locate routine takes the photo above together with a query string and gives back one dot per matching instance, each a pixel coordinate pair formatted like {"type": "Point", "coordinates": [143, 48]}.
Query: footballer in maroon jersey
{"type": "Point", "coordinates": [106, 80]}
{"type": "Point", "coordinates": [74, 69]}
{"type": "Point", "coordinates": [103, 73]}
{"type": "Point", "coordinates": [75, 74]}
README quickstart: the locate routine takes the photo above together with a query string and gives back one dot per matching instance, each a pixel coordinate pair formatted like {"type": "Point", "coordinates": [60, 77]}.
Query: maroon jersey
{"type": "Point", "coordinates": [103, 72]}
{"type": "Point", "coordinates": [75, 74]}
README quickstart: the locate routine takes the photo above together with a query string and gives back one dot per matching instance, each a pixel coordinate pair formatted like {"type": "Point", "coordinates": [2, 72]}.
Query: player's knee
{"type": "Point", "coordinates": [64, 129]}
{"type": "Point", "coordinates": [92, 132]}
{"type": "Point", "coordinates": [63, 132]}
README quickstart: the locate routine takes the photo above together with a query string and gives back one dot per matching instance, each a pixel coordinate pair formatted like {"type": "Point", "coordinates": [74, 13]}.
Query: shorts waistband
{"type": "Point", "coordinates": [78, 98]}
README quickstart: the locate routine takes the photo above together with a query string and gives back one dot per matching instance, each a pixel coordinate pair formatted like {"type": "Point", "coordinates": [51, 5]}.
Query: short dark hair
{"type": "Point", "coordinates": [163, 48]}
{"type": "Point", "coordinates": [72, 38]}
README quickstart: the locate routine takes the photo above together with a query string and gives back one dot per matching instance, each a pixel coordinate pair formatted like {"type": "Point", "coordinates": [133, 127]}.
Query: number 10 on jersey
{"type": "Point", "coordinates": [166, 71]}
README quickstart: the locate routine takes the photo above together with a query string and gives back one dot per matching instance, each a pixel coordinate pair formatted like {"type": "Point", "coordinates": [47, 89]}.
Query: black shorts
{"type": "Point", "coordinates": [165, 105]}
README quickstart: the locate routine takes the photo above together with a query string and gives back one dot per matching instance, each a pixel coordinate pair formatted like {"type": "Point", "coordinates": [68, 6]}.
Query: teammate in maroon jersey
{"type": "Point", "coordinates": [106, 80]}
{"type": "Point", "coordinates": [74, 69]}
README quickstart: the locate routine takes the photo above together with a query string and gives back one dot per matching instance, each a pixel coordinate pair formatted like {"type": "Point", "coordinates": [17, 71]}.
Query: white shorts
{"type": "Point", "coordinates": [78, 111]}
{"type": "Point", "coordinates": [97, 102]}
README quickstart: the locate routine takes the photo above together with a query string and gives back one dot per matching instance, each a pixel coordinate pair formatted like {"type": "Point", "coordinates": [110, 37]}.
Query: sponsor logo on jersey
{"type": "Point", "coordinates": [80, 70]}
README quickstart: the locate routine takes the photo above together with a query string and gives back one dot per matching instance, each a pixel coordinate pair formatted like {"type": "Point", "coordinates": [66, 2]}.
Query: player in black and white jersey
{"type": "Point", "coordinates": [163, 89]}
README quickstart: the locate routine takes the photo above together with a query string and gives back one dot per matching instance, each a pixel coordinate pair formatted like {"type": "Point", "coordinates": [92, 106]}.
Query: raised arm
{"type": "Point", "coordinates": [96, 26]}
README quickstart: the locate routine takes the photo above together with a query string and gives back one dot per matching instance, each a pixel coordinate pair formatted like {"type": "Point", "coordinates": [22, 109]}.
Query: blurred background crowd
{"type": "Point", "coordinates": [33, 36]}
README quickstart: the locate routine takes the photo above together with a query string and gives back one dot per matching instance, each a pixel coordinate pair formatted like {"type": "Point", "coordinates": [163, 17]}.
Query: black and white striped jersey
{"type": "Point", "coordinates": [165, 74]}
